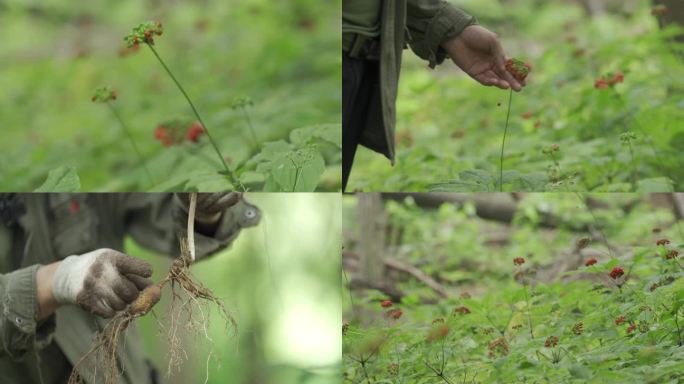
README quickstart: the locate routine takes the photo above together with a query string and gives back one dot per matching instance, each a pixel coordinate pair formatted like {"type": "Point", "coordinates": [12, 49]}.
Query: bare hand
{"type": "Point", "coordinates": [478, 52]}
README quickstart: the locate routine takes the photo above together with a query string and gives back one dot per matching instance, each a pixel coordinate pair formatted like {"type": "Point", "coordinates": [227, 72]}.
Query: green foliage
{"type": "Point", "coordinates": [283, 56]}
{"type": "Point", "coordinates": [482, 334]}
{"type": "Point", "coordinates": [62, 179]}
{"type": "Point", "coordinates": [456, 125]}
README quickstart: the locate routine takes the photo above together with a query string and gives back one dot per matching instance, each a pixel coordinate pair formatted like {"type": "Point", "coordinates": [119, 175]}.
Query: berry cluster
{"type": "Point", "coordinates": [551, 149]}
{"type": "Point", "coordinates": [609, 80]}
{"type": "Point", "coordinates": [663, 242]}
{"type": "Point", "coordinates": [590, 262]}
{"type": "Point", "coordinates": [241, 102]}
{"type": "Point", "coordinates": [462, 310]}
{"type": "Point", "coordinates": [144, 33]}
{"type": "Point", "coordinates": [498, 346]}
{"type": "Point", "coordinates": [551, 341]}
{"type": "Point", "coordinates": [627, 137]}
{"type": "Point", "coordinates": [173, 133]}
{"type": "Point", "coordinates": [438, 332]}
{"type": "Point", "coordinates": [519, 261]}
{"type": "Point", "coordinates": [616, 273]}
{"type": "Point", "coordinates": [103, 95]}
{"type": "Point", "coordinates": [394, 314]}
{"type": "Point", "coordinates": [518, 68]}
{"type": "Point", "coordinates": [578, 328]}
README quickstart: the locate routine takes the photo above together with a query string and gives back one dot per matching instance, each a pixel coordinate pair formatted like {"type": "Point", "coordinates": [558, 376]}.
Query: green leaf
{"type": "Point", "coordinates": [580, 371]}
{"type": "Point", "coordinates": [62, 179]}
{"type": "Point", "coordinates": [657, 184]}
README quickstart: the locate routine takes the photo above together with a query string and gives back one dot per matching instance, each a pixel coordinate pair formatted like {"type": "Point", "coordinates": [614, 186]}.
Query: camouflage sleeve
{"type": "Point", "coordinates": [430, 23]}
{"type": "Point", "coordinates": [155, 221]}
{"type": "Point", "coordinates": [19, 330]}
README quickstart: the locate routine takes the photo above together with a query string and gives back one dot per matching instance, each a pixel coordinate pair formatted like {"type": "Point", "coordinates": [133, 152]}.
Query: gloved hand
{"type": "Point", "coordinates": [101, 282]}
{"type": "Point", "coordinates": [210, 206]}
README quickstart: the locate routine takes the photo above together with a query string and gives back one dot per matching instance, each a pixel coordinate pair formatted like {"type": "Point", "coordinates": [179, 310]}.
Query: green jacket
{"type": "Point", "coordinates": [58, 225]}
{"type": "Point", "coordinates": [424, 25]}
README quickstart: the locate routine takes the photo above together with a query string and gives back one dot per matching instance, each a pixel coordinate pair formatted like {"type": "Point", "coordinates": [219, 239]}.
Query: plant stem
{"type": "Point", "coordinates": [529, 310]}
{"type": "Point", "coordinates": [633, 172]}
{"type": "Point", "coordinates": [365, 372]}
{"type": "Point", "coordinates": [233, 177]}
{"type": "Point", "coordinates": [133, 144]}
{"type": "Point", "coordinates": [503, 142]}
{"type": "Point", "coordinates": [679, 333]}
{"type": "Point", "coordinates": [251, 127]}
{"type": "Point", "coordinates": [598, 227]}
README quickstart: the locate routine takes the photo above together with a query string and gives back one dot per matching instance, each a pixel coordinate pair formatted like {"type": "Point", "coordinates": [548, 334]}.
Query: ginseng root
{"type": "Point", "coordinates": [188, 297]}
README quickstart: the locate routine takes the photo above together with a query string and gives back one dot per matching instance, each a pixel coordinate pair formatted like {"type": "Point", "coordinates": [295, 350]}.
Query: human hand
{"type": "Point", "coordinates": [210, 206]}
{"type": "Point", "coordinates": [478, 52]}
{"type": "Point", "coordinates": [101, 282]}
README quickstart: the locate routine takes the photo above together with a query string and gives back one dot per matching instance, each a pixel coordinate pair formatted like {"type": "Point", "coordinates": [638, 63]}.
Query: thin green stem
{"type": "Point", "coordinates": [365, 371]}
{"type": "Point", "coordinates": [133, 144]}
{"type": "Point", "coordinates": [251, 127]}
{"type": "Point", "coordinates": [529, 309]}
{"type": "Point", "coordinates": [503, 142]}
{"type": "Point", "coordinates": [632, 170]}
{"type": "Point", "coordinates": [598, 227]}
{"type": "Point", "coordinates": [233, 177]}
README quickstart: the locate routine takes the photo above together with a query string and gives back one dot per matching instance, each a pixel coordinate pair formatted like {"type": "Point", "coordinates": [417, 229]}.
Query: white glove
{"type": "Point", "coordinates": [101, 282]}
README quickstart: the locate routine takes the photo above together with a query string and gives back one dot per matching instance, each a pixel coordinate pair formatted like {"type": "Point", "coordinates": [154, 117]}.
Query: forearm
{"type": "Point", "coordinates": [47, 304]}
{"type": "Point", "coordinates": [21, 330]}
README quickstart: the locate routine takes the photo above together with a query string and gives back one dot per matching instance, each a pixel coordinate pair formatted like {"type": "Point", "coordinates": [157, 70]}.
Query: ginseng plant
{"type": "Point", "coordinates": [106, 96]}
{"type": "Point", "coordinates": [144, 33]}
{"type": "Point", "coordinates": [188, 296]}
{"type": "Point", "coordinates": [519, 69]}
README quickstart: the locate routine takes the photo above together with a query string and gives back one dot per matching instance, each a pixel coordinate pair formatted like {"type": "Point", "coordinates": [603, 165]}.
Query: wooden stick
{"type": "Point", "coordinates": [191, 225]}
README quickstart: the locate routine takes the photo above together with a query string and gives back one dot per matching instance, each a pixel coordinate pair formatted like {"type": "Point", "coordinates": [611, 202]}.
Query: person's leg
{"type": "Point", "coordinates": [352, 76]}
{"type": "Point", "coordinates": [358, 79]}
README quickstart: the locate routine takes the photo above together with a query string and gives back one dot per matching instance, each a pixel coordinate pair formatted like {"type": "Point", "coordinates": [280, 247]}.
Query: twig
{"type": "Point", "coordinates": [417, 274]}
{"type": "Point", "coordinates": [191, 225]}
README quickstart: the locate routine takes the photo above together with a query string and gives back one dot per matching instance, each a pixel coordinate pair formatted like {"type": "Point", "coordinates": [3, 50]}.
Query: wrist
{"type": "Point", "coordinates": [47, 303]}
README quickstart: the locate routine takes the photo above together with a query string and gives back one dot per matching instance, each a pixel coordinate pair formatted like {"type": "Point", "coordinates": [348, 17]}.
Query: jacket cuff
{"type": "Point", "coordinates": [20, 308]}
{"type": "Point", "coordinates": [449, 22]}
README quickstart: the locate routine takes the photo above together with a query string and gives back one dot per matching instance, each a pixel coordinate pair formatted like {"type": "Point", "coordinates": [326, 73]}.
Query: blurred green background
{"type": "Point", "coordinates": [281, 282]}
{"type": "Point", "coordinates": [55, 53]}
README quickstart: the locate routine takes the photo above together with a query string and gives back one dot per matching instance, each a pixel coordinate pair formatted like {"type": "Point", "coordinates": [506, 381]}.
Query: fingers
{"type": "Point", "coordinates": [207, 200]}
{"type": "Point", "coordinates": [227, 200]}
{"type": "Point", "coordinates": [139, 282]}
{"type": "Point", "coordinates": [500, 65]}
{"type": "Point", "coordinates": [102, 309]}
{"type": "Point", "coordinates": [130, 265]}
{"type": "Point", "coordinates": [508, 78]}
{"type": "Point", "coordinates": [489, 78]}
{"type": "Point", "coordinates": [112, 300]}
{"type": "Point", "coordinates": [126, 289]}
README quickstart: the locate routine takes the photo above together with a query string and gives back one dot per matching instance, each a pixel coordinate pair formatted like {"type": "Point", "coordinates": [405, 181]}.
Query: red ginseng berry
{"type": "Point", "coordinates": [518, 68]}
{"type": "Point", "coordinates": [616, 273]}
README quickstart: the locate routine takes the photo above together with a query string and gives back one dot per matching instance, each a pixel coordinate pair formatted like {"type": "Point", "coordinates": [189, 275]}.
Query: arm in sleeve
{"type": "Point", "coordinates": [155, 221]}
{"type": "Point", "coordinates": [432, 22]}
{"type": "Point", "coordinates": [19, 330]}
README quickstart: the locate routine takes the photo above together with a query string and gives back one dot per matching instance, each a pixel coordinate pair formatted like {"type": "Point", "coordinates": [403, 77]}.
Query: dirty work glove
{"type": "Point", "coordinates": [210, 206]}
{"type": "Point", "coordinates": [101, 282]}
